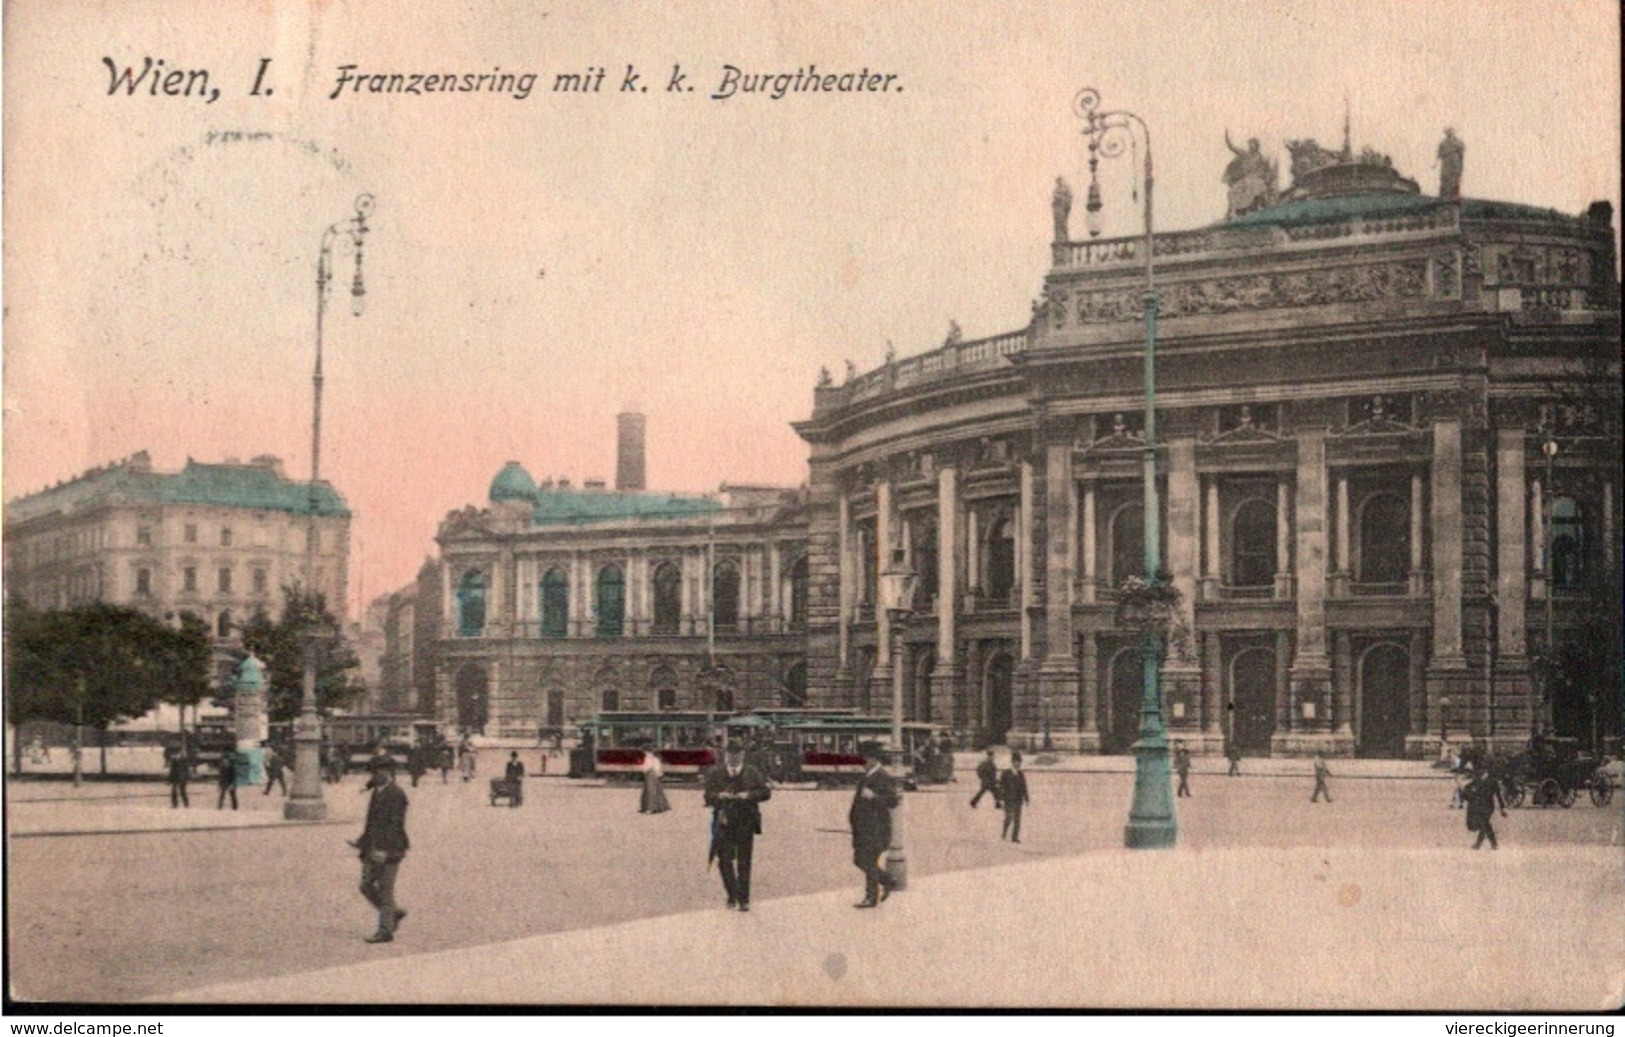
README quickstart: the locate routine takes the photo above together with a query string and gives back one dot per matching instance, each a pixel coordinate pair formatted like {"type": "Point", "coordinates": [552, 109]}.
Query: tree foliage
{"type": "Point", "coordinates": [97, 664]}
{"type": "Point", "coordinates": [281, 645]}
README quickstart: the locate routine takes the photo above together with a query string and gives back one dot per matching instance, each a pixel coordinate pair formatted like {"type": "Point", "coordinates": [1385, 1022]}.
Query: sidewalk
{"type": "Point", "coordinates": [1333, 928]}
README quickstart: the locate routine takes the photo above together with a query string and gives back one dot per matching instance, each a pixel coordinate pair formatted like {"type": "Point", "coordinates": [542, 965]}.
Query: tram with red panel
{"type": "Point", "coordinates": [828, 750]}
{"type": "Point", "coordinates": [686, 742]}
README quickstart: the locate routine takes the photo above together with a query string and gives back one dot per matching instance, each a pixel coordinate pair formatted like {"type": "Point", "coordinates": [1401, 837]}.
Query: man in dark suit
{"type": "Point", "coordinates": [515, 776]}
{"type": "Point", "coordinates": [733, 792]}
{"type": "Point", "coordinates": [383, 845]}
{"type": "Point", "coordinates": [1013, 790]}
{"type": "Point", "coordinates": [870, 818]}
{"type": "Point", "coordinates": [987, 773]}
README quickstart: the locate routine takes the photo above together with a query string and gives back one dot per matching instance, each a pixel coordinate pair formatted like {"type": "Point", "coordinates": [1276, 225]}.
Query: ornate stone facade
{"type": "Point", "coordinates": [1353, 387]}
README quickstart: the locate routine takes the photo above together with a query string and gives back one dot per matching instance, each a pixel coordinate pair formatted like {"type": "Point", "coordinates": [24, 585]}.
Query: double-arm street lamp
{"type": "Point", "coordinates": [897, 595]}
{"type": "Point", "coordinates": [305, 802]}
{"type": "Point", "coordinates": [1151, 818]}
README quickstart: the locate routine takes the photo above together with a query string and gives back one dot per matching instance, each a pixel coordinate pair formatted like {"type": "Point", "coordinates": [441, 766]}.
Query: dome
{"type": "Point", "coordinates": [513, 483]}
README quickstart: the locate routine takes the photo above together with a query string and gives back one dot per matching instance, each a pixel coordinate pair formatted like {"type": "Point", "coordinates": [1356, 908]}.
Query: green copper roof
{"type": "Point", "coordinates": [513, 483]}
{"type": "Point", "coordinates": [220, 485]}
{"type": "Point", "coordinates": [1330, 210]}
{"type": "Point", "coordinates": [580, 507]}
{"type": "Point", "coordinates": [247, 486]}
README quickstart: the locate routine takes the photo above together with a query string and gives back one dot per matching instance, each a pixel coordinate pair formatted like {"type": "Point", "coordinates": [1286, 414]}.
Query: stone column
{"type": "Point", "coordinates": [1310, 676]}
{"type": "Point", "coordinates": [1213, 713]}
{"type": "Point", "coordinates": [1090, 544]}
{"type": "Point", "coordinates": [1446, 521]}
{"type": "Point", "coordinates": [1212, 570]}
{"type": "Point", "coordinates": [1285, 695]}
{"type": "Point", "coordinates": [1343, 686]}
{"type": "Point", "coordinates": [1340, 569]}
{"type": "Point", "coordinates": [1089, 693]}
{"type": "Point", "coordinates": [1512, 697]}
{"type": "Point", "coordinates": [1537, 539]}
{"type": "Point", "coordinates": [578, 595]}
{"type": "Point", "coordinates": [847, 595]}
{"type": "Point", "coordinates": [973, 554]}
{"type": "Point", "coordinates": [1418, 576]}
{"type": "Point", "coordinates": [1608, 524]}
{"type": "Point", "coordinates": [1024, 547]}
{"type": "Point", "coordinates": [1283, 540]}
{"type": "Point", "coordinates": [1181, 669]}
{"type": "Point", "coordinates": [880, 680]}
{"type": "Point", "coordinates": [1058, 672]}
{"type": "Point", "coordinates": [777, 607]}
{"type": "Point", "coordinates": [945, 678]}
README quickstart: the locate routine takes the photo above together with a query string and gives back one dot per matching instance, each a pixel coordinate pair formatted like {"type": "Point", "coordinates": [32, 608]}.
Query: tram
{"type": "Point", "coordinates": [686, 742]}
{"type": "Point", "coordinates": [828, 749]}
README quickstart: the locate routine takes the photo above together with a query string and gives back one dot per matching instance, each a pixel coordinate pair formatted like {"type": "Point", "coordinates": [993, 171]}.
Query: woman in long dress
{"type": "Point", "coordinates": [653, 800]}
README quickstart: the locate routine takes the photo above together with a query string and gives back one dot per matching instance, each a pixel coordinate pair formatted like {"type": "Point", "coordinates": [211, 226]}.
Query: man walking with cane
{"type": "Point", "coordinates": [383, 845]}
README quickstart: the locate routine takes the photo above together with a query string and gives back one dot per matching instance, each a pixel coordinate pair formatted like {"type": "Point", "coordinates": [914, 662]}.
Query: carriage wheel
{"type": "Point", "coordinates": [1602, 790]}
{"type": "Point", "coordinates": [1566, 798]}
{"type": "Point", "coordinates": [1513, 794]}
{"type": "Point", "coordinates": [1547, 792]}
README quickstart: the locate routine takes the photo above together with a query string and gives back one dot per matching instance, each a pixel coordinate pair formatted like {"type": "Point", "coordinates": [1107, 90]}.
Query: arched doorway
{"type": "Point", "coordinates": [997, 692]}
{"type": "Point", "coordinates": [1125, 688]}
{"type": "Point", "coordinates": [1252, 694]}
{"type": "Point", "coordinates": [473, 704]}
{"type": "Point", "coordinates": [1385, 694]}
{"type": "Point", "coordinates": [795, 687]}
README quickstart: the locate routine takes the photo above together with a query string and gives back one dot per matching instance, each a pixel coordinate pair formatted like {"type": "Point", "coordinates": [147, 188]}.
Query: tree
{"type": "Point", "coordinates": [281, 644]}
{"type": "Point", "coordinates": [96, 664]}
{"type": "Point", "coordinates": [189, 684]}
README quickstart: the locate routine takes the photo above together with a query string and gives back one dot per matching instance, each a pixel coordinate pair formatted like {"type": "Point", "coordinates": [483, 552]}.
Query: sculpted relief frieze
{"type": "Point", "coordinates": [1397, 280]}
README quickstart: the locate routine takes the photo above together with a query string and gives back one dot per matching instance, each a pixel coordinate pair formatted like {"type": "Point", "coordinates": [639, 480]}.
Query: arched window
{"type": "Point", "coordinates": [798, 594]}
{"type": "Point", "coordinates": [1001, 561]}
{"type": "Point", "coordinates": [555, 596]}
{"type": "Point", "coordinates": [471, 604]}
{"type": "Point", "coordinates": [1568, 544]}
{"type": "Point", "coordinates": [725, 596]}
{"type": "Point", "coordinates": [611, 610]}
{"type": "Point", "coordinates": [668, 584]}
{"type": "Point", "coordinates": [222, 627]}
{"type": "Point", "coordinates": [473, 705]}
{"type": "Point", "coordinates": [1128, 543]}
{"type": "Point", "coordinates": [1385, 539]}
{"type": "Point", "coordinates": [611, 699]}
{"type": "Point", "coordinates": [663, 688]}
{"type": "Point", "coordinates": [1252, 545]}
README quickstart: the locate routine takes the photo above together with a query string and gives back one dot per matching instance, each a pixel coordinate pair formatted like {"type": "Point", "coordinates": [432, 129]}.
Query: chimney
{"type": "Point", "coordinates": [629, 472]}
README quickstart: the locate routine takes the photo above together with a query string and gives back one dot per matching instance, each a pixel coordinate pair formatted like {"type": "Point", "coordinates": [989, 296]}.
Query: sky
{"type": "Point", "coordinates": [536, 265]}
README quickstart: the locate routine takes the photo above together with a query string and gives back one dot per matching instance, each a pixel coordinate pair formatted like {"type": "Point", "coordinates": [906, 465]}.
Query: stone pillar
{"type": "Point", "coordinates": [1343, 687]}
{"type": "Point", "coordinates": [1088, 693]}
{"type": "Point", "coordinates": [1418, 574]}
{"type": "Point", "coordinates": [578, 596]}
{"type": "Point", "coordinates": [945, 679]}
{"type": "Point", "coordinates": [1512, 697]}
{"type": "Point", "coordinates": [1608, 524]}
{"type": "Point", "coordinates": [848, 595]}
{"type": "Point", "coordinates": [1283, 540]}
{"type": "Point", "coordinates": [881, 560]}
{"type": "Point", "coordinates": [1212, 575]}
{"type": "Point", "coordinates": [1285, 698]}
{"type": "Point", "coordinates": [1181, 671]}
{"type": "Point", "coordinates": [1310, 675]}
{"type": "Point", "coordinates": [1340, 569]}
{"type": "Point", "coordinates": [1537, 539]}
{"type": "Point", "coordinates": [1091, 547]}
{"type": "Point", "coordinates": [1446, 522]}
{"type": "Point", "coordinates": [1024, 547]}
{"type": "Point", "coordinates": [1058, 672]}
{"type": "Point", "coordinates": [1214, 723]}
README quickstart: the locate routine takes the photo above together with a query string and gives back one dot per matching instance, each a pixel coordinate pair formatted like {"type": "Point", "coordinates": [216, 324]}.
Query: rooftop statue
{"type": "Point", "coordinates": [1451, 151]}
{"type": "Point", "coordinates": [1061, 203]}
{"type": "Point", "coordinates": [1308, 156]}
{"type": "Point", "coordinates": [1250, 177]}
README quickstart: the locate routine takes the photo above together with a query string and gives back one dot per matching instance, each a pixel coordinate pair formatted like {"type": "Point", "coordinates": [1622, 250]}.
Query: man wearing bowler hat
{"type": "Point", "coordinates": [870, 818]}
{"type": "Point", "coordinates": [383, 846]}
{"type": "Point", "coordinates": [733, 792]}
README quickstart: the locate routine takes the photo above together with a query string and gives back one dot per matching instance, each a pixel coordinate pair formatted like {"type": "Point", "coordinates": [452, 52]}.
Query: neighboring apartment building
{"type": "Point", "coordinates": [1357, 387]}
{"type": "Point", "coordinates": [217, 540]}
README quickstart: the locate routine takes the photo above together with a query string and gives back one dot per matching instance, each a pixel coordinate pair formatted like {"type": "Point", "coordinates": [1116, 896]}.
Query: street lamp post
{"type": "Point", "coordinates": [1151, 821]}
{"type": "Point", "coordinates": [897, 594]}
{"type": "Point", "coordinates": [305, 801]}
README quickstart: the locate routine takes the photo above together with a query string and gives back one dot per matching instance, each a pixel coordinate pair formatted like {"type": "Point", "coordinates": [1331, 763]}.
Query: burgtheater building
{"type": "Point", "coordinates": [1388, 458]}
{"type": "Point", "coordinates": [561, 601]}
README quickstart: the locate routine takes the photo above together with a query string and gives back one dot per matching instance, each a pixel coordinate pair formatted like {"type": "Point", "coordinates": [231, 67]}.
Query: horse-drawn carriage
{"type": "Point", "coordinates": [1553, 772]}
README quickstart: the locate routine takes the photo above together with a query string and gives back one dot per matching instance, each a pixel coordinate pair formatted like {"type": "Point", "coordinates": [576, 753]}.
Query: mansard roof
{"type": "Point", "coordinates": [555, 507]}
{"type": "Point", "coordinates": [258, 486]}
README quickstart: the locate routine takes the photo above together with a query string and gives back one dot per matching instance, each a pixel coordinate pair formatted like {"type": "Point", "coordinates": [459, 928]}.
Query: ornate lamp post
{"type": "Point", "coordinates": [1151, 821]}
{"type": "Point", "coordinates": [897, 596]}
{"type": "Point", "coordinates": [305, 802]}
